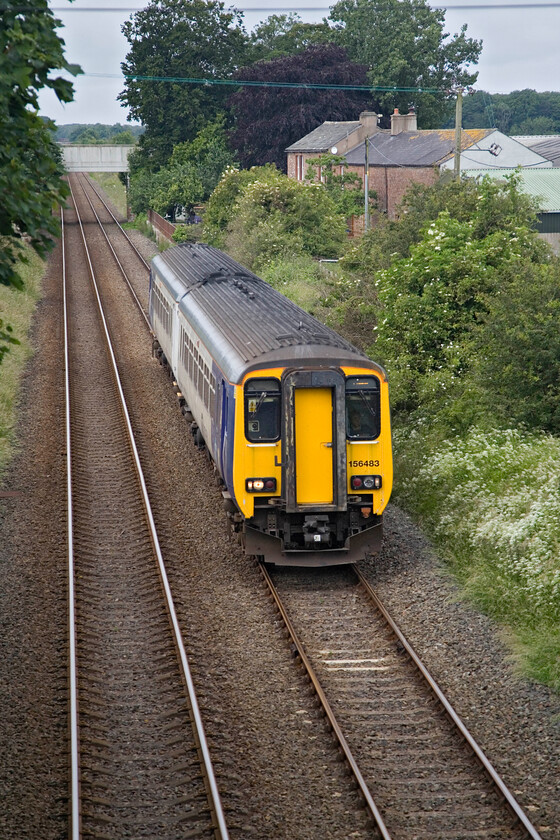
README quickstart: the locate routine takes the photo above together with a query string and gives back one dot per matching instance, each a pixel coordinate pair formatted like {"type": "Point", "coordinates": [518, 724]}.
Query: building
{"type": "Point", "coordinates": [327, 137]}
{"type": "Point", "coordinates": [404, 154]}
{"type": "Point", "coordinates": [547, 145]}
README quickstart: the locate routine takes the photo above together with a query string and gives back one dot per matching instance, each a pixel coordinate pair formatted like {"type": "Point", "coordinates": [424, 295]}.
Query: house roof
{"type": "Point", "coordinates": [548, 148]}
{"type": "Point", "coordinates": [324, 136]}
{"type": "Point", "coordinates": [414, 148]}
{"type": "Point", "coordinates": [542, 184]}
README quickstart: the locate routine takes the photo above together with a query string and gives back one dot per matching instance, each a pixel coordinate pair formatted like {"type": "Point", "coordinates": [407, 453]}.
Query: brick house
{"type": "Point", "coordinates": [404, 154]}
{"type": "Point", "coordinates": [341, 136]}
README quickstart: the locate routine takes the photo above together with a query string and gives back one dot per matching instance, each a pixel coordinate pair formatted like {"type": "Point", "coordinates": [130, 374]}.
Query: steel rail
{"type": "Point", "coordinates": [75, 827]}
{"type": "Point", "coordinates": [114, 253]}
{"type": "Point", "coordinates": [364, 790]}
{"type": "Point", "coordinates": [91, 184]}
{"type": "Point", "coordinates": [214, 796]}
{"type": "Point", "coordinates": [510, 800]}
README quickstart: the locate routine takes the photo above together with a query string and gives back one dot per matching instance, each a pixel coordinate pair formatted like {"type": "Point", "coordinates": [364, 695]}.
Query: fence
{"type": "Point", "coordinates": [160, 225]}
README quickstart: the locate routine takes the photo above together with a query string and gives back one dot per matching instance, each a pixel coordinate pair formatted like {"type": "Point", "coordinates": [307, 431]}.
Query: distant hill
{"type": "Point", "coordinates": [97, 133]}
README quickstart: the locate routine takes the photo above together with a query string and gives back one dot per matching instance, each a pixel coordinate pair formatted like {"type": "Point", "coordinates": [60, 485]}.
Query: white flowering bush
{"type": "Point", "coordinates": [492, 501]}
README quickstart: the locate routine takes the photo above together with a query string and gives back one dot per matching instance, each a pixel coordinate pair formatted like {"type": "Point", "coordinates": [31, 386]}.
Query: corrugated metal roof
{"type": "Point", "coordinates": [543, 184]}
{"type": "Point", "coordinates": [324, 136]}
{"type": "Point", "coordinates": [414, 148]}
{"type": "Point", "coordinates": [549, 148]}
{"type": "Point", "coordinates": [547, 145]}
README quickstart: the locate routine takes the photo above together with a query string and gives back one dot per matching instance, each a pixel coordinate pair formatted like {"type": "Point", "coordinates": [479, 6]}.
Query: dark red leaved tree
{"type": "Point", "coordinates": [269, 119]}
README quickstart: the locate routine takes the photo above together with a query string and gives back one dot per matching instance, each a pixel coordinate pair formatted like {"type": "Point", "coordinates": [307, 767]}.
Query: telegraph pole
{"type": "Point", "coordinates": [458, 123]}
{"type": "Point", "coordinates": [366, 186]}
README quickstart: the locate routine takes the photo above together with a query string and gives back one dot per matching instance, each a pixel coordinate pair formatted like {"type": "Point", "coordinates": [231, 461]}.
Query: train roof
{"type": "Point", "coordinates": [243, 321]}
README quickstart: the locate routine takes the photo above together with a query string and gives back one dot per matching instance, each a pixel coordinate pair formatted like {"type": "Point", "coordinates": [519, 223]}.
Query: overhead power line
{"type": "Point", "coordinates": [246, 83]}
{"type": "Point", "coordinates": [283, 9]}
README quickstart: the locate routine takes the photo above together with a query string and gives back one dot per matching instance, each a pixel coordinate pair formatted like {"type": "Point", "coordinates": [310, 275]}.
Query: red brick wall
{"type": "Point", "coordinates": [392, 182]}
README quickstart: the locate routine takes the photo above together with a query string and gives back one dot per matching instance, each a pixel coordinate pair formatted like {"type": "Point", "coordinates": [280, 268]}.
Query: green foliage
{"type": "Point", "coordinates": [344, 187]}
{"type": "Point", "coordinates": [404, 45]}
{"type": "Point", "coordinates": [71, 132]}
{"type": "Point", "coordinates": [187, 233]}
{"type": "Point", "coordinates": [97, 134]}
{"type": "Point", "coordinates": [220, 209]}
{"type": "Point", "coordinates": [30, 169]}
{"type": "Point", "coordinates": [520, 112]}
{"type": "Point", "coordinates": [433, 301]}
{"type": "Point", "coordinates": [516, 351]}
{"type": "Point", "coordinates": [193, 171]}
{"type": "Point", "coordinates": [282, 35]}
{"type": "Point", "coordinates": [299, 277]}
{"type": "Point", "coordinates": [491, 500]}
{"type": "Point", "coordinates": [208, 155]}
{"type": "Point", "coordinates": [176, 39]}
{"type": "Point", "coordinates": [17, 307]}
{"type": "Point", "coordinates": [274, 215]}
{"type": "Point", "coordinates": [6, 338]}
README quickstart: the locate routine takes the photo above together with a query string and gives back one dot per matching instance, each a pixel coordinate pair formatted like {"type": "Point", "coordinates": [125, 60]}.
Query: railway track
{"type": "Point", "coordinates": [140, 765]}
{"type": "Point", "coordinates": [365, 677]}
{"type": "Point", "coordinates": [420, 772]}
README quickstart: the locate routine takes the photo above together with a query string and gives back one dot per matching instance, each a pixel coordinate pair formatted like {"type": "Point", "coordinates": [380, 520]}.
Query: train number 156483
{"type": "Point", "coordinates": [363, 463]}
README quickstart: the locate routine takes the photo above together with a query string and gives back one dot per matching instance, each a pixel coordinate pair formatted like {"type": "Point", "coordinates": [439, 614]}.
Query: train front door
{"type": "Point", "coordinates": [314, 447]}
{"type": "Point", "coordinates": [314, 454]}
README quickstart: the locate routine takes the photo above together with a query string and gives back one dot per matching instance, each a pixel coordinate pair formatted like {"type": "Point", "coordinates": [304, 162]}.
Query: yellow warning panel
{"type": "Point", "coordinates": [314, 445]}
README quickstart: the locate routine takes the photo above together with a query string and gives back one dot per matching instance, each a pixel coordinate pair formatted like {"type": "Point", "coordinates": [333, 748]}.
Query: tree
{"type": "Point", "coordinates": [30, 162]}
{"type": "Point", "coordinates": [172, 40]}
{"type": "Point", "coordinates": [404, 46]}
{"type": "Point", "coordinates": [282, 35]}
{"type": "Point", "coordinates": [193, 171]}
{"type": "Point", "coordinates": [434, 299]}
{"type": "Point", "coordinates": [268, 119]}
{"type": "Point", "coordinates": [517, 350]}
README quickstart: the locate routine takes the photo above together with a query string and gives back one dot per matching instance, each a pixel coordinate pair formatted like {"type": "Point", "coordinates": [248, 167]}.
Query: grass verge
{"type": "Point", "coordinates": [112, 186]}
{"type": "Point", "coordinates": [16, 309]}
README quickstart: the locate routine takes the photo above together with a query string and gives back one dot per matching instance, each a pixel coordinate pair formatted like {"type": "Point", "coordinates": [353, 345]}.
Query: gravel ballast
{"type": "Point", "coordinates": [514, 721]}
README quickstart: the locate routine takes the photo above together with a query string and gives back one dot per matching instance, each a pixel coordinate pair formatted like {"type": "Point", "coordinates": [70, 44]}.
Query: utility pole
{"type": "Point", "coordinates": [458, 123]}
{"type": "Point", "coordinates": [366, 186]}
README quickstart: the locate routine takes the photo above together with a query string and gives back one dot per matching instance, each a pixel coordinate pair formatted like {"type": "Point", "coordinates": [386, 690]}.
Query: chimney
{"type": "Point", "coordinates": [403, 122]}
{"type": "Point", "coordinates": [370, 122]}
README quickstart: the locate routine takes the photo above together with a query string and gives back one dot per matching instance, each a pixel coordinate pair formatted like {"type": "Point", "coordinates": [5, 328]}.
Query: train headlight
{"type": "Point", "coordinates": [260, 485]}
{"type": "Point", "coordinates": [366, 482]}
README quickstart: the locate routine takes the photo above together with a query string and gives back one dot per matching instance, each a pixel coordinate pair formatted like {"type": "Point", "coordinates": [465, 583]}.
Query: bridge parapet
{"type": "Point", "coordinates": [99, 158]}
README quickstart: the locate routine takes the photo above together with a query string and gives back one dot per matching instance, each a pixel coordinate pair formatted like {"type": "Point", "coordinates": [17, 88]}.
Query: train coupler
{"type": "Point", "coordinates": [316, 531]}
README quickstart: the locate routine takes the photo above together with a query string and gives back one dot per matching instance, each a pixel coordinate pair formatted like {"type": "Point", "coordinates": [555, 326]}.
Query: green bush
{"type": "Point", "coordinates": [517, 350]}
{"type": "Point", "coordinates": [278, 215]}
{"type": "Point", "coordinates": [220, 209]}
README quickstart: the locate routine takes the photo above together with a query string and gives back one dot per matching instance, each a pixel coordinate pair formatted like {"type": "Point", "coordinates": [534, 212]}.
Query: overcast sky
{"type": "Point", "coordinates": [520, 49]}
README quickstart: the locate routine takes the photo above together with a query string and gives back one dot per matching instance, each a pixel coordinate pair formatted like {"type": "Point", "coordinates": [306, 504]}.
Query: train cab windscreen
{"type": "Point", "coordinates": [363, 420]}
{"type": "Point", "coordinates": [262, 410]}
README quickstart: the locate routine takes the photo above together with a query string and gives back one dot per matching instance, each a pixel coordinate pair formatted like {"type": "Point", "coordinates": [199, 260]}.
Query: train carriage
{"type": "Point", "coordinates": [295, 418]}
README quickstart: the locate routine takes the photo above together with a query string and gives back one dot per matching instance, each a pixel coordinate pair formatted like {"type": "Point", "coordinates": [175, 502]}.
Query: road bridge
{"type": "Point", "coordinates": [104, 157]}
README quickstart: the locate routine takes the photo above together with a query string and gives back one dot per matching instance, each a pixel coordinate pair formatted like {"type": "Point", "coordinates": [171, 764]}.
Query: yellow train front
{"type": "Point", "coordinates": [295, 418]}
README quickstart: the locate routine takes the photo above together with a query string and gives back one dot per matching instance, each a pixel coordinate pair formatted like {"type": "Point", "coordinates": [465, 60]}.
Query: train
{"type": "Point", "coordinates": [295, 419]}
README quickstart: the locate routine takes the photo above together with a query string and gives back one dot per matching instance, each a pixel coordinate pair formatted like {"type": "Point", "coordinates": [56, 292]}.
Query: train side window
{"type": "Point", "coordinates": [363, 404]}
{"type": "Point", "coordinates": [262, 410]}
